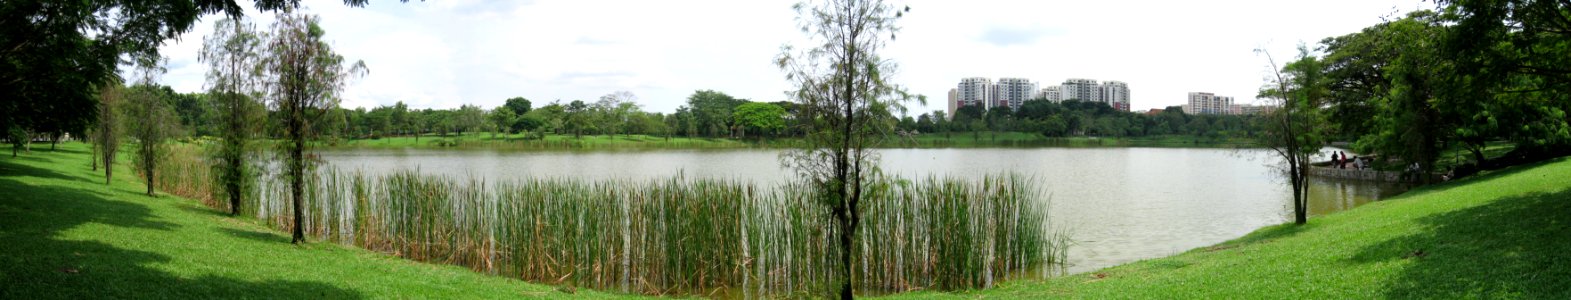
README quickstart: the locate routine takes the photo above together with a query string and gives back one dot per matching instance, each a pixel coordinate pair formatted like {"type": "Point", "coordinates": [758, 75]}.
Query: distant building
{"type": "Point", "coordinates": [1202, 103]}
{"type": "Point", "coordinates": [1051, 94]}
{"type": "Point", "coordinates": [974, 91]}
{"type": "Point", "coordinates": [954, 96]}
{"type": "Point", "coordinates": [1116, 94]}
{"type": "Point", "coordinates": [1081, 89]}
{"type": "Point", "coordinates": [1246, 109]}
{"type": "Point", "coordinates": [1012, 92]}
{"type": "Point", "coordinates": [1154, 111]}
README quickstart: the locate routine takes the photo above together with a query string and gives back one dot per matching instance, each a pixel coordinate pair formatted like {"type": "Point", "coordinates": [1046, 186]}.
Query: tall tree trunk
{"type": "Point", "coordinates": [1300, 193]}
{"type": "Point", "coordinates": [233, 184]}
{"type": "Point", "coordinates": [109, 166]}
{"type": "Point", "coordinates": [149, 166]}
{"type": "Point", "coordinates": [297, 184]}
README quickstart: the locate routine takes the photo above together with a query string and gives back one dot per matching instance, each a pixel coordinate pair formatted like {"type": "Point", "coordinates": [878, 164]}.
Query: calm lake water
{"type": "Point", "coordinates": [1119, 204]}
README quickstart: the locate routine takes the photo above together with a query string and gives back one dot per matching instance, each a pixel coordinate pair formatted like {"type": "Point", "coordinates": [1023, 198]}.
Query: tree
{"type": "Point", "coordinates": [711, 111]}
{"type": "Point", "coordinates": [614, 110]}
{"type": "Point", "coordinates": [306, 77]}
{"type": "Point", "coordinates": [519, 105]}
{"type": "Point", "coordinates": [1515, 55]}
{"type": "Point", "coordinates": [151, 122]}
{"type": "Point", "coordinates": [468, 118]}
{"type": "Point", "coordinates": [844, 96]}
{"type": "Point", "coordinates": [1513, 40]}
{"type": "Point", "coordinates": [55, 54]}
{"type": "Point", "coordinates": [764, 118]}
{"type": "Point", "coordinates": [1292, 131]}
{"type": "Point", "coordinates": [398, 114]}
{"type": "Point", "coordinates": [233, 53]}
{"type": "Point", "coordinates": [503, 118]}
{"type": "Point", "coordinates": [577, 118]}
{"type": "Point", "coordinates": [941, 122]}
{"type": "Point", "coordinates": [19, 139]}
{"type": "Point", "coordinates": [107, 134]}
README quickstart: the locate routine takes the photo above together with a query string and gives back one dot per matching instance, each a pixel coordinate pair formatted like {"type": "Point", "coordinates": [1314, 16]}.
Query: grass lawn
{"type": "Point", "coordinates": [1505, 234]}
{"type": "Point", "coordinates": [66, 235]}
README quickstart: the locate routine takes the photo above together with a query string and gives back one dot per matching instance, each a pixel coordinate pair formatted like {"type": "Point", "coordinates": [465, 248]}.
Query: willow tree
{"type": "Point", "coordinates": [233, 54]}
{"type": "Point", "coordinates": [1293, 131]}
{"type": "Point", "coordinates": [305, 77]}
{"type": "Point", "coordinates": [844, 98]}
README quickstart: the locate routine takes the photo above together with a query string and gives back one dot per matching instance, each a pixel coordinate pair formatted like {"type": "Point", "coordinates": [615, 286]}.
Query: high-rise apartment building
{"type": "Point", "coordinates": [1012, 92]}
{"type": "Point", "coordinates": [1116, 94]}
{"type": "Point", "coordinates": [1051, 94]}
{"type": "Point", "coordinates": [1201, 103]}
{"type": "Point", "coordinates": [974, 91]}
{"type": "Point", "coordinates": [1081, 89]}
{"type": "Point", "coordinates": [954, 96]}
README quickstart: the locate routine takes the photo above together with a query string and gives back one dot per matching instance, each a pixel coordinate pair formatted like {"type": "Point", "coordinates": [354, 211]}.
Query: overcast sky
{"type": "Point", "coordinates": [442, 54]}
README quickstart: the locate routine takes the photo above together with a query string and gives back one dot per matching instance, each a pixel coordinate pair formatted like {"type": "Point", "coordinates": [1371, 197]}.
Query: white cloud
{"type": "Point", "coordinates": [446, 53]}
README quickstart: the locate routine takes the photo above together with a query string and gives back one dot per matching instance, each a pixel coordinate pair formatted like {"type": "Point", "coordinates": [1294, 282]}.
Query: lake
{"type": "Point", "coordinates": [1119, 204]}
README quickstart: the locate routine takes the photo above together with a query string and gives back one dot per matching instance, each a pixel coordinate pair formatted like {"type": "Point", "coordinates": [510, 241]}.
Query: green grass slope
{"type": "Point", "coordinates": [1500, 235]}
{"type": "Point", "coordinates": [66, 235]}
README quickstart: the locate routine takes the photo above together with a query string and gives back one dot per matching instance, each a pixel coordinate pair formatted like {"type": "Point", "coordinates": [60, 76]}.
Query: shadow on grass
{"type": "Point", "coordinates": [1266, 235]}
{"type": "Point", "coordinates": [257, 235]}
{"type": "Point", "coordinates": [38, 263]}
{"type": "Point", "coordinates": [1515, 247]}
{"type": "Point", "coordinates": [12, 169]}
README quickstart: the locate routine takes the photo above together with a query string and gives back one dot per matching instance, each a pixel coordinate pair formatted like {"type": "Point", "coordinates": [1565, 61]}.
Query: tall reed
{"type": "Point", "coordinates": [681, 235]}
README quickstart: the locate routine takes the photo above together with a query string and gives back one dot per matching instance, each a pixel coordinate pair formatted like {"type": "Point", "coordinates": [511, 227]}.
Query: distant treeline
{"type": "Point", "coordinates": [706, 114]}
{"type": "Point", "coordinates": [1080, 118]}
{"type": "Point", "coordinates": [716, 115]}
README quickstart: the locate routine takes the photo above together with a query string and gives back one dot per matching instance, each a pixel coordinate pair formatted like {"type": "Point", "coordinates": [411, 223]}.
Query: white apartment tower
{"type": "Point", "coordinates": [1201, 103]}
{"type": "Point", "coordinates": [974, 91]}
{"type": "Point", "coordinates": [1116, 94]}
{"type": "Point", "coordinates": [1012, 92]}
{"type": "Point", "coordinates": [1081, 89]}
{"type": "Point", "coordinates": [1051, 94]}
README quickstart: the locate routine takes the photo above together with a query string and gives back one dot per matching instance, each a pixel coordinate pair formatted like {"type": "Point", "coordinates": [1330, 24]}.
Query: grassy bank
{"type": "Point", "coordinates": [66, 235]}
{"type": "Point", "coordinates": [1505, 234]}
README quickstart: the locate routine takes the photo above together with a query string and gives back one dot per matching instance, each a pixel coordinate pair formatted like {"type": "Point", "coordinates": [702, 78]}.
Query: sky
{"type": "Point", "coordinates": [443, 54]}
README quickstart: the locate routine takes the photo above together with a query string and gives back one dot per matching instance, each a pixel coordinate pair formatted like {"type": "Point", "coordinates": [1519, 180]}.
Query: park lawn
{"type": "Point", "coordinates": [66, 235]}
{"type": "Point", "coordinates": [1505, 234]}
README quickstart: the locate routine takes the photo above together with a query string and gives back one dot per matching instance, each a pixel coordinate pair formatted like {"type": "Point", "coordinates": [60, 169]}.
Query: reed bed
{"type": "Point", "coordinates": [682, 236]}
{"type": "Point", "coordinates": [183, 171]}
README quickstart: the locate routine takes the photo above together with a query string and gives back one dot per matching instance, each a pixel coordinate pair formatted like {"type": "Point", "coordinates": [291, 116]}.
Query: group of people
{"type": "Point", "coordinates": [1340, 160]}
